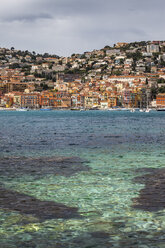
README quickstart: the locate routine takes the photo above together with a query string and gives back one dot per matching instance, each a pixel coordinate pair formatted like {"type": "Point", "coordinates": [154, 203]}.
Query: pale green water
{"type": "Point", "coordinates": [113, 147]}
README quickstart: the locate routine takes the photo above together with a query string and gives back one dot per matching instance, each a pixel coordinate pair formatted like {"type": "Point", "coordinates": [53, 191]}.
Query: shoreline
{"type": "Point", "coordinates": [72, 109]}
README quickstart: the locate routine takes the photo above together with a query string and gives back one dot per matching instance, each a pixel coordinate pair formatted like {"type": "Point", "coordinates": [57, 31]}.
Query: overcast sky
{"type": "Point", "coordinates": [64, 27]}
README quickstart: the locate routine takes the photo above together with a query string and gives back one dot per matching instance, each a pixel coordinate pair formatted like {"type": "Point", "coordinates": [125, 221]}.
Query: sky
{"type": "Point", "coordinates": [64, 27]}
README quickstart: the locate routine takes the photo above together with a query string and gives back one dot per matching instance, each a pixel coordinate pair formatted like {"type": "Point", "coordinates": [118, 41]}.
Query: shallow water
{"type": "Point", "coordinates": [82, 179]}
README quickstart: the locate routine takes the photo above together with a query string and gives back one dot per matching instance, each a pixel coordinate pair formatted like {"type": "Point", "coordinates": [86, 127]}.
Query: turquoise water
{"type": "Point", "coordinates": [69, 179]}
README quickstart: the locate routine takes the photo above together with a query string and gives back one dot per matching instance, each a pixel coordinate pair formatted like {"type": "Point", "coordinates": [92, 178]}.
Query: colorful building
{"type": "Point", "coordinates": [31, 100]}
{"type": "Point", "coordinates": [160, 100]}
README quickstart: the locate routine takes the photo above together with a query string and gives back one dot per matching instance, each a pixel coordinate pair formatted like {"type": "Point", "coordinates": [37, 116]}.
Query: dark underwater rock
{"type": "Point", "coordinates": [38, 167]}
{"type": "Point", "coordinates": [28, 205]}
{"type": "Point", "coordinates": [152, 196]}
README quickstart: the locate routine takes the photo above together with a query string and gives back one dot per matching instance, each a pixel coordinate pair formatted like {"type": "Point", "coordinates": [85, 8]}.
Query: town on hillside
{"type": "Point", "coordinates": [128, 75]}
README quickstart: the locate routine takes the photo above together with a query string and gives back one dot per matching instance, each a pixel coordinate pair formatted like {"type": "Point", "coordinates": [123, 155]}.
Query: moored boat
{"type": "Point", "coordinates": [148, 110]}
{"type": "Point", "coordinates": [22, 109]}
{"type": "Point", "coordinates": [161, 109]}
{"type": "Point", "coordinates": [75, 109]}
{"type": "Point", "coordinates": [132, 110]}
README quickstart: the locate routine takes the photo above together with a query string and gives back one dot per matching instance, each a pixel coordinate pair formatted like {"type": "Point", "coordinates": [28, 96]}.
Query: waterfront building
{"type": "Point", "coordinates": [60, 99]}
{"type": "Point", "coordinates": [17, 98]}
{"type": "Point", "coordinates": [112, 101]}
{"type": "Point", "coordinates": [92, 101]}
{"type": "Point", "coordinates": [160, 100]}
{"type": "Point", "coordinates": [31, 100]}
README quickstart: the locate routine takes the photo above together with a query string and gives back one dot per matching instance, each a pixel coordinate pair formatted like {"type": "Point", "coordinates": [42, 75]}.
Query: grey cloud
{"type": "Point", "coordinates": [28, 17]}
{"type": "Point", "coordinates": [67, 26]}
{"type": "Point", "coordinates": [71, 8]}
{"type": "Point", "coordinates": [57, 9]}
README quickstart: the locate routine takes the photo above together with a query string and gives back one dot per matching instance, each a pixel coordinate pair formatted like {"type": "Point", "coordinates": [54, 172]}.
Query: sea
{"type": "Point", "coordinates": [82, 179]}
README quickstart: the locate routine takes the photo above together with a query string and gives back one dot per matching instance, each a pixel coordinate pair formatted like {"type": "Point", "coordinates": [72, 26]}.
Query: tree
{"type": "Point", "coordinates": [117, 72]}
{"type": "Point", "coordinates": [50, 66]}
{"type": "Point", "coordinates": [45, 87]}
{"type": "Point", "coordinates": [69, 65]}
{"type": "Point", "coordinates": [121, 61]}
{"type": "Point", "coordinates": [161, 89]}
{"type": "Point", "coordinates": [82, 56]}
{"type": "Point", "coordinates": [135, 56]}
{"type": "Point", "coordinates": [148, 69]}
{"type": "Point", "coordinates": [46, 55]}
{"type": "Point", "coordinates": [161, 81]}
{"type": "Point", "coordinates": [107, 47]}
{"type": "Point", "coordinates": [162, 63]}
{"type": "Point", "coordinates": [27, 73]}
{"type": "Point", "coordinates": [27, 52]}
{"type": "Point", "coordinates": [154, 92]}
{"type": "Point", "coordinates": [14, 66]}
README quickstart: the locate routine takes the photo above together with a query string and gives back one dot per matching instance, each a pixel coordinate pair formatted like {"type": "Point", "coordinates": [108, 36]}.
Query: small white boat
{"type": "Point", "coordinates": [132, 110]}
{"type": "Point", "coordinates": [21, 109]}
{"type": "Point", "coordinates": [148, 110]}
{"type": "Point", "coordinates": [142, 110]}
{"type": "Point", "coordinates": [111, 109]}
